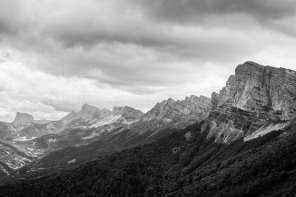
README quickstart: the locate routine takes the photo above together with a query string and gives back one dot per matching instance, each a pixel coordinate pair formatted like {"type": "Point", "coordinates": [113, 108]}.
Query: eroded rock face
{"type": "Point", "coordinates": [174, 114]}
{"type": "Point", "coordinates": [260, 88]}
{"type": "Point", "coordinates": [23, 119]}
{"type": "Point", "coordinates": [253, 99]}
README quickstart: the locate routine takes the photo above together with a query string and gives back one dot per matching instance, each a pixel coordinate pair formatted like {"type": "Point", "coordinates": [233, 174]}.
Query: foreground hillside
{"type": "Point", "coordinates": [185, 163]}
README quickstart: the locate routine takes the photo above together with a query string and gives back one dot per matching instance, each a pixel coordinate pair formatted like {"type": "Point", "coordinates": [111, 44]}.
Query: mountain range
{"type": "Point", "coordinates": [187, 146]}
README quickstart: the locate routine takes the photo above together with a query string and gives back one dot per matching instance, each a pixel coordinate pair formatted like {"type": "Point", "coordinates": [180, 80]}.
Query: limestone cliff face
{"type": "Point", "coordinates": [23, 119]}
{"type": "Point", "coordinates": [252, 100]}
{"type": "Point", "coordinates": [260, 88]}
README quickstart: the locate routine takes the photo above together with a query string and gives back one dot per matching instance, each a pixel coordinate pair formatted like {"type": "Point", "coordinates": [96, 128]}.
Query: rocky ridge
{"type": "Point", "coordinates": [258, 88]}
{"type": "Point", "coordinates": [253, 99]}
{"type": "Point", "coordinates": [87, 112]}
{"type": "Point", "coordinates": [173, 114]}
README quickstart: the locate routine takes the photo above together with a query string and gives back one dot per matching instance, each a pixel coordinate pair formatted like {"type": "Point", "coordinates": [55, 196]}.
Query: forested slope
{"type": "Point", "coordinates": [185, 163]}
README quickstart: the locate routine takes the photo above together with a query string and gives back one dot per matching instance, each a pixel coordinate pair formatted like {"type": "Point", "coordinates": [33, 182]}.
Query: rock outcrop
{"type": "Point", "coordinates": [258, 88]}
{"type": "Point", "coordinates": [23, 119]}
{"type": "Point", "coordinates": [254, 98]}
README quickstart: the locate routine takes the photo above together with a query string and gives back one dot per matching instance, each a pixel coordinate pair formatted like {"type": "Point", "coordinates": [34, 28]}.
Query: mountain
{"type": "Point", "coordinates": [239, 142]}
{"type": "Point", "coordinates": [258, 88]}
{"type": "Point", "coordinates": [23, 119]}
{"type": "Point", "coordinates": [255, 101]}
{"type": "Point", "coordinates": [129, 115]}
{"type": "Point", "coordinates": [37, 138]}
{"type": "Point", "coordinates": [77, 128]}
{"type": "Point", "coordinates": [227, 120]}
{"type": "Point", "coordinates": [24, 127]}
{"type": "Point", "coordinates": [119, 115]}
{"type": "Point", "coordinates": [125, 128]}
{"type": "Point", "coordinates": [87, 112]}
{"type": "Point", "coordinates": [173, 114]}
{"type": "Point", "coordinates": [13, 157]}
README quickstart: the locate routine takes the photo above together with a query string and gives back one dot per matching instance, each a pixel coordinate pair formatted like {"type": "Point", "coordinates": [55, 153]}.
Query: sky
{"type": "Point", "coordinates": [57, 55]}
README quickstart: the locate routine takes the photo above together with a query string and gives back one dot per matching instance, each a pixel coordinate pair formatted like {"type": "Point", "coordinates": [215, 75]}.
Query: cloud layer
{"type": "Point", "coordinates": [56, 55]}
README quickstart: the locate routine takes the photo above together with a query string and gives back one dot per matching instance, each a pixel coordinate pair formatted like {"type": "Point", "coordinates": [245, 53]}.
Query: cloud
{"type": "Point", "coordinates": [192, 10]}
{"type": "Point", "coordinates": [51, 97]}
{"type": "Point", "coordinates": [57, 55]}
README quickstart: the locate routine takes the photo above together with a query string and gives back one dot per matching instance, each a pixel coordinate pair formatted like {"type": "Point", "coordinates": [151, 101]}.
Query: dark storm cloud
{"type": "Point", "coordinates": [191, 10]}
{"type": "Point", "coordinates": [4, 28]}
{"type": "Point", "coordinates": [11, 17]}
{"type": "Point", "coordinates": [139, 44]}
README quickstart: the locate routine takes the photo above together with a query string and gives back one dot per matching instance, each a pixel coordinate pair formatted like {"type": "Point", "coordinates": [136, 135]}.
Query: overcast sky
{"type": "Point", "coordinates": [56, 55]}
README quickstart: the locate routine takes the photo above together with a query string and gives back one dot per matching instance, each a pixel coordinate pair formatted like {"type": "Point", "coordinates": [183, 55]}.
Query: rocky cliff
{"type": "Point", "coordinates": [258, 88]}
{"type": "Point", "coordinates": [252, 101]}
{"type": "Point", "coordinates": [23, 119]}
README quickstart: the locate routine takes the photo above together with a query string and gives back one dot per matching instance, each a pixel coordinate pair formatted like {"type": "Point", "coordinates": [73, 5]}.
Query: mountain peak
{"type": "Point", "coordinates": [87, 107]}
{"type": "Point", "coordinates": [23, 118]}
{"type": "Point", "coordinates": [170, 100]}
{"type": "Point", "coordinates": [255, 87]}
{"type": "Point", "coordinates": [172, 109]}
{"type": "Point", "coordinates": [88, 112]}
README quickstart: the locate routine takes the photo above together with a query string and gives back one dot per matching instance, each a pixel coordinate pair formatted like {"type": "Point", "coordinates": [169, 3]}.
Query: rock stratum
{"type": "Point", "coordinates": [256, 100]}
{"type": "Point", "coordinates": [258, 88]}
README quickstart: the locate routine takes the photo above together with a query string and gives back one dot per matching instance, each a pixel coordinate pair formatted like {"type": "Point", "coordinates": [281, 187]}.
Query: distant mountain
{"type": "Point", "coordinates": [118, 131]}
{"type": "Point", "coordinates": [37, 138]}
{"type": "Point", "coordinates": [86, 113]}
{"type": "Point", "coordinates": [24, 127]}
{"type": "Point", "coordinates": [77, 128]}
{"type": "Point", "coordinates": [245, 109]}
{"type": "Point", "coordinates": [23, 119]}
